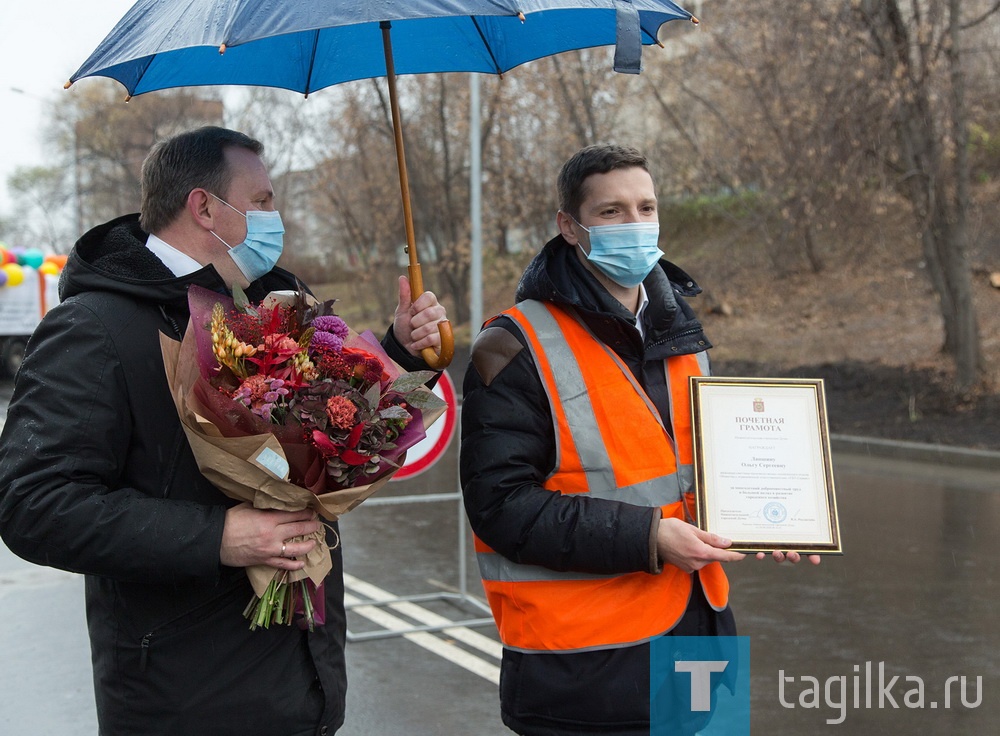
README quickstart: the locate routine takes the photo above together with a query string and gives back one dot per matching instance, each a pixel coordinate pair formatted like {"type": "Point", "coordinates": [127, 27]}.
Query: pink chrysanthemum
{"type": "Point", "coordinates": [341, 412]}
{"type": "Point", "coordinates": [331, 323]}
{"type": "Point", "coordinates": [326, 342]}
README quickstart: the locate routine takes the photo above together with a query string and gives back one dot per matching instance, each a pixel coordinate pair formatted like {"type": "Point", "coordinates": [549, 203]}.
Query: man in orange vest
{"type": "Point", "coordinates": [577, 462]}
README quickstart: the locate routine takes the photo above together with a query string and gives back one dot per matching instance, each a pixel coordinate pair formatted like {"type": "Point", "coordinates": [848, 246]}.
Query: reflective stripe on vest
{"type": "Point", "coordinates": [610, 443]}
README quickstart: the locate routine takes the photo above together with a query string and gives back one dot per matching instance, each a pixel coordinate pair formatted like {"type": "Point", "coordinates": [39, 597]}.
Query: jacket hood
{"type": "Point", "coordinates": [557, 275]}
{"type": "Point", "coordinates": [113, 257]}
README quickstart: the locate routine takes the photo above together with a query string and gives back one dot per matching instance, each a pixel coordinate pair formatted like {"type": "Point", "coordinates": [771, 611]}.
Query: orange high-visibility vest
{"type": "Point", "coordinates": [610, 443]}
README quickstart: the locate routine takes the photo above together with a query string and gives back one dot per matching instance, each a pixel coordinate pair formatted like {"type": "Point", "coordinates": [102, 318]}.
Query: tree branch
{"type": "Point", "coordinates": [980, 19]}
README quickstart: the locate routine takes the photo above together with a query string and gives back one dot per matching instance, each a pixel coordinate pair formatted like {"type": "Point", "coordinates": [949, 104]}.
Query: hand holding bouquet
{"type": "Point", "coordinates": [287, 408]}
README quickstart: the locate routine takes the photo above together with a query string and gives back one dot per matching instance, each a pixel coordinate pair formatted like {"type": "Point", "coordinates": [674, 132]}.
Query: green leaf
{"type": "Point", "coordinates": [411, 381]}
{"type": "Point", "coordinates": [372, 396]}
{"type": "Point", "coordinates": [394, 412]}
{"type": "Point", "coordinates": [241, 302]}
{"type": "Point", "coordinates": [425, 400]}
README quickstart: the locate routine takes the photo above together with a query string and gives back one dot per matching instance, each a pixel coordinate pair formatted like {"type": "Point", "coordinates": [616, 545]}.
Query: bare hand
{"type": "Point", "coordinates": [415, 322]}
{"type": "Point", "coordinates": [791, 556]}
{"type": "Point", "coordinates": [261, 537]}
{"type": "Point", "coordinates": [689, 548]}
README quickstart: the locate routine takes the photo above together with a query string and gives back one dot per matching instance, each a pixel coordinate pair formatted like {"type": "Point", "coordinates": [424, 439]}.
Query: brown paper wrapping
{"type": "Point", "coordinates": [229, 463]}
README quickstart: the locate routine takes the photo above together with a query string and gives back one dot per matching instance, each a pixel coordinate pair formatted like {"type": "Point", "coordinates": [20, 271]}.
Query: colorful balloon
{"type": "Point", "coordinates": [15, 274]}
{"type": "Point", "coordinates": [32, 257]}
{"type": "Point", "coordinates": [49, 268]}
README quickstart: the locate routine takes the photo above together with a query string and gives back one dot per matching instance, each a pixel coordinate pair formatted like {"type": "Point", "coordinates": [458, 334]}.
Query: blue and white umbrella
{"type": "Point", "coordinates": [306, 45]}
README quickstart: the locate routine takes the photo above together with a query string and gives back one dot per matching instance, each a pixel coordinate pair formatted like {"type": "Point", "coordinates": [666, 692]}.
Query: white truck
{"type": "Point", "coordinates": [21, 309]}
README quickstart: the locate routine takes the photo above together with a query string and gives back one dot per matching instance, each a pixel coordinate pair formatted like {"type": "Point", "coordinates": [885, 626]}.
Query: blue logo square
{"type": "Point", "coordinates": [699, 684]}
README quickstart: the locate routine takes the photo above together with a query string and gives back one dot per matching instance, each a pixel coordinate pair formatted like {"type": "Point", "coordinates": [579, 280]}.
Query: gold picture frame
{"type": "Point", "coordinates": [762, 467]}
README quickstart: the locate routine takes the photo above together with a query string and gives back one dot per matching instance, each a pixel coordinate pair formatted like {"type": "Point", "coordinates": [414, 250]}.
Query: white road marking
{"type": "Point", "coordinates": [450, 652]}
{"type": "Point", "coordinates": [418, 613]}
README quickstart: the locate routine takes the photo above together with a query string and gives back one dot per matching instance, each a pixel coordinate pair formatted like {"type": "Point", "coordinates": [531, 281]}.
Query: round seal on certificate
{"type": "Point", "coordinates": [775, 512]}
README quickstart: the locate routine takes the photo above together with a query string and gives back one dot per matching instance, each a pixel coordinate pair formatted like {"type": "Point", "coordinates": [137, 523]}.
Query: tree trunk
{"type": "Point", "coordinates": [965, 344]}
{"type": "Point", "coordinates": [936, 188]}
{"type": "Point", "coordinates": [815, 262]}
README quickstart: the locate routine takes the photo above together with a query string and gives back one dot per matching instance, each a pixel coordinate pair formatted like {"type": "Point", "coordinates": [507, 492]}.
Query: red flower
{"type": "Point", "coordinates": [324, 444]}
{"type": "Point", "coordinates": [341, 411]}
{"type": "Point", "coordinates": [347, 453]}
{"type": "Point", "coordinates": [349, 456]}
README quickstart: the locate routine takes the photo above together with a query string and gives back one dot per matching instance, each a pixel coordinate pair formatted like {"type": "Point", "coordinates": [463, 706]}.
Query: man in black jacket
{"type": "Point", "coordinates": [96, 475]}
{"type": "Point", "coordinates": [578, 495]}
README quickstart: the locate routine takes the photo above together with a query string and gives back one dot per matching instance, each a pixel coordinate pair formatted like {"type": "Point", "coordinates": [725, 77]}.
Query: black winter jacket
{"type": "Point", "coordinates": [508, 450]}
{"type": "Point", "coordinates": [96, 477]}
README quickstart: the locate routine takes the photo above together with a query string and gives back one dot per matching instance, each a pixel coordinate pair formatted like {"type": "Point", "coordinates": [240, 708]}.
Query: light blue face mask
{"type": "Point", "coordinates": [261, 249]}
{"type": "Point", "coordinates": [625, 252]}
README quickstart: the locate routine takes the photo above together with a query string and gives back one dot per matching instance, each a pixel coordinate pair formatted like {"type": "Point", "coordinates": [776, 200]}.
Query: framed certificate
{"type": "Point", "coordinates": [763, 476]}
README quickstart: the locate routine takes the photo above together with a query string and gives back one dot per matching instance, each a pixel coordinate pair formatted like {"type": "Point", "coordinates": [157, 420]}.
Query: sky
{"type": "Point", "coordinates": [42, 42]}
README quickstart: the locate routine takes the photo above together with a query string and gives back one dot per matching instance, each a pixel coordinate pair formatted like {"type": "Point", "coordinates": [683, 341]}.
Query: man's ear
{"type": "Point", "coordinates": [566, 227]}
{"type": "Point", "coordinates": [199, 206]}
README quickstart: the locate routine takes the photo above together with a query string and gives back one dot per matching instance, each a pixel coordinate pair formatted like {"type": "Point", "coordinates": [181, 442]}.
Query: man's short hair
{"type": "Point", "coordinates": [190, 160]}
{"type": "Point", "coordinates": [589, 161]}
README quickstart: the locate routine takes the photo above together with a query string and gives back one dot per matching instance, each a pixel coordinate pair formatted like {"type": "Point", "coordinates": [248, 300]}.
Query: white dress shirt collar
{"type": "Point", "coordinates": [643, 303]}
{"type": "Point", "coordinates": [179, 263]}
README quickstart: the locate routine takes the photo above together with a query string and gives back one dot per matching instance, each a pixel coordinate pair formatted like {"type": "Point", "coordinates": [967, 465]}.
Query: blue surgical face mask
{"type": "Point", "coordinates": [625, 252]}
{"type": "Point", "coordinates": [261, 249]}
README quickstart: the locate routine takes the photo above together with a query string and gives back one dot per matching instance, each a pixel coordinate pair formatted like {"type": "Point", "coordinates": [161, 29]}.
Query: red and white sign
{"type": "Point", "coordinates": [427, 452]}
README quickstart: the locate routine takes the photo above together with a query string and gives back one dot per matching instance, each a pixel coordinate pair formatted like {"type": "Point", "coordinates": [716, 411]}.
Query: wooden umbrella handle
{"type": "Point", "coordinates": [441, 359]}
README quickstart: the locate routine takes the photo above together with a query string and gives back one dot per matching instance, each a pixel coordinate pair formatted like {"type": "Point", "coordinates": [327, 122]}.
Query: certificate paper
{"type": "Point", "coordinates": [763, 476]}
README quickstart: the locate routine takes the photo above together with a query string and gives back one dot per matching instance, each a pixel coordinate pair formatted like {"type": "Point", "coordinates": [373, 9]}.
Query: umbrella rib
{"type": "Point", "coordinates": [652, 36]}
{"type": "Point", "coordinates": [486, 43]}
{"type": "Point", "coordinates": [312, 62]}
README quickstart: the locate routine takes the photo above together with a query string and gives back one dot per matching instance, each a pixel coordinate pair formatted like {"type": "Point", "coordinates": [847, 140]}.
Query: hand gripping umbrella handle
{"type": "Point", "coordinates": [436, 360]}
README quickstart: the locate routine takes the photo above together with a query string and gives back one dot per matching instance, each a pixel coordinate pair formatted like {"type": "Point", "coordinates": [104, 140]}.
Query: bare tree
{"type": "Point", "coordinates": [356, 201]}
{"type": "Point", "coordinates": [40, 195]}
{"type": "Point", "coordinates": [437, 129]}
{"type": "Point", "coordinates": [103, 140]}
{"type": "Point", "coordinates": [920, 49]}
{"type": "Point", "coordinates": [770, 103]}
{"type": "Point", "coordinates": [815, 107]}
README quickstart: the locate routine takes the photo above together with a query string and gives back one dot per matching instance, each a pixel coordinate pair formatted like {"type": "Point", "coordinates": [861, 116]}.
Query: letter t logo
{"type": "Point", "coordinates": [701, 680]}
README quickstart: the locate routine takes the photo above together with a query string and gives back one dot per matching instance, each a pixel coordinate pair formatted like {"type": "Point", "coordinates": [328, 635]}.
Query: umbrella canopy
{"type": "Point", "coordinates": [306, 46]}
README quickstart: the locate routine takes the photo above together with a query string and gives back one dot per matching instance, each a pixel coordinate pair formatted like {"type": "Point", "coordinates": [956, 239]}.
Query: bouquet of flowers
{"type": "Point", "coordinates": [286, 407]}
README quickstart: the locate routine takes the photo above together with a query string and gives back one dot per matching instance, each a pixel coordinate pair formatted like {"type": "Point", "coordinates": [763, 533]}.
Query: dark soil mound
{"type": "Point", "coordinates": [892, 402]}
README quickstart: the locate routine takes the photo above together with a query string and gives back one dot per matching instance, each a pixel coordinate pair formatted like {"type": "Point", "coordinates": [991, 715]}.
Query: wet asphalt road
{"type": "Point", "coordinates": [917, 591]}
